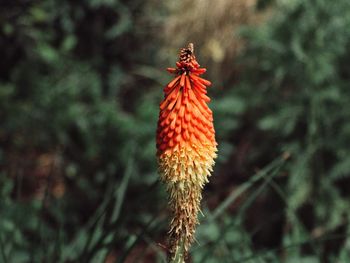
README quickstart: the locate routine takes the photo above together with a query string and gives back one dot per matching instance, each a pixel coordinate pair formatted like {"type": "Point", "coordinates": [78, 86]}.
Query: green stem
{"type": "Point", "coordinates": [180, 254]}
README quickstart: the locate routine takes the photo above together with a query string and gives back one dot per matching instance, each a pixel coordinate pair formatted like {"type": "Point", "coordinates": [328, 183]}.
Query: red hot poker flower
{"type": "Point", "coordinates": [186, 145]}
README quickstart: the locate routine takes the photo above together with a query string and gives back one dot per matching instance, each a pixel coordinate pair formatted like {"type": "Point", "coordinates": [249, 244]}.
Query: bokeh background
{"type": "Point", "coordinates": [80, 85]}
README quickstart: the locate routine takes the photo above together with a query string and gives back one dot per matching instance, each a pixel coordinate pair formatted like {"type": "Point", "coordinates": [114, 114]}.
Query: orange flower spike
{"type": "Point", "coordinates": [186, 146]}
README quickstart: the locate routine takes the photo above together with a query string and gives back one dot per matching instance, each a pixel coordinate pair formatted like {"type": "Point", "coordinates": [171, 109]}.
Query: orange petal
{"type": "Point", "coordinates": [170, 134]}
{"type": "Point", "coordinates": [172, 125]}
{"type": "Point", "coordinates": [178, 129]}
{"type": "Point", "coordinates": [182, 111]}
{"type": "Point", "coordinates": [182, 80]}
{"type": "Point", "coordinates": [188, 82]}
{"type": "Point", "coordinates": [171, 70]}
{"type": "Point", "coordinates": [172, 83]}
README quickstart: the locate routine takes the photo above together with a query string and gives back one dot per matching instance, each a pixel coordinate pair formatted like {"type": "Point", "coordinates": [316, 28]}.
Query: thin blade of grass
{"type": "Point", "coordinates": [244, 187]}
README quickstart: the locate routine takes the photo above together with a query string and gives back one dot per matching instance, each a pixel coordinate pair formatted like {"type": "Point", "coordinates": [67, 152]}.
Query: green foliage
{"type": "Point", "coordinates": [67, 94]}
{"type": "Point", "coordinates": [80, 84]}
{"type": "Point", "coordinates": [295, 91]}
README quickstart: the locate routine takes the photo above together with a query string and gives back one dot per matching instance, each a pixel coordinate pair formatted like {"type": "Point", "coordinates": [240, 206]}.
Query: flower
{"type": "Point", "coordinates": [186, 146]}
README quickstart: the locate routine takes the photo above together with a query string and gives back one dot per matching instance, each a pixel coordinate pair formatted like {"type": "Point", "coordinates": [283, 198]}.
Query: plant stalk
{"type": "Point", "coordinates": [179, 254]}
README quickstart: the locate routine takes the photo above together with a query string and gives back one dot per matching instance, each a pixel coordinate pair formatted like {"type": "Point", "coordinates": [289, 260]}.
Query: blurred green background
{"type": "Point", "coordinates": [80, 85]}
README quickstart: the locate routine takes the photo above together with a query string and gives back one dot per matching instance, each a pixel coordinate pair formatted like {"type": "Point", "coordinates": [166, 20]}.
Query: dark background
{"type": "Point", "coordinates": [80, 85]}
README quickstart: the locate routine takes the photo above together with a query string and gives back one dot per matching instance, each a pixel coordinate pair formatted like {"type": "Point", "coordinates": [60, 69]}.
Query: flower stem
{"type": "Point", "coordinates": [179, 254]}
